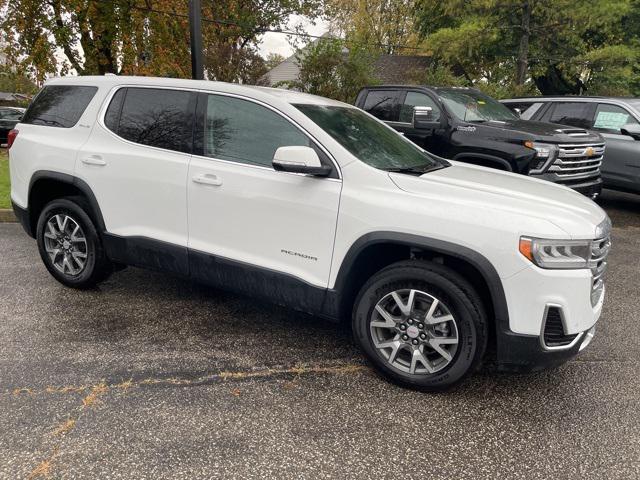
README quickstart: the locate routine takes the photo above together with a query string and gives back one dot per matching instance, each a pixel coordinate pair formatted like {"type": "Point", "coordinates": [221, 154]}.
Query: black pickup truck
{"type": "Point", "coordinates": [465, 125]}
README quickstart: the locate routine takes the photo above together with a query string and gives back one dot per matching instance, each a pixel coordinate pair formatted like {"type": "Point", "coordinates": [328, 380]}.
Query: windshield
{"type": "Point", "coordinates": [470, 106]}
{"type": "Point", "coordinates": [370, 140]}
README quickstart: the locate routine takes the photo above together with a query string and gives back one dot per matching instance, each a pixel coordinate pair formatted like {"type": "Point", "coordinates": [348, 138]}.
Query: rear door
{"type": "Point", "coordinates": [621, 166]}
{"type": "Point", "coordinates": [136, 163]}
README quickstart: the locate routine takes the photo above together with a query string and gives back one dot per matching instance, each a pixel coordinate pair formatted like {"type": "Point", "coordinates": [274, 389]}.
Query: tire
{"type": "Point", "coordinates": [379, 334]}
{"type": "Point", "coordinates": [87, 263]}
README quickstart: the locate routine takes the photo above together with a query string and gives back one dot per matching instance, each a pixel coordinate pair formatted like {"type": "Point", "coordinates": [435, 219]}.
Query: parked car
{"type": "Point", "coordinates": [313, 204]}
{"type": "Point", "coordinates": [616, 119]}
{"type": "Point", "coordinates": [465, 125]}
{"type": "Point", "coordinates": [9, 117]}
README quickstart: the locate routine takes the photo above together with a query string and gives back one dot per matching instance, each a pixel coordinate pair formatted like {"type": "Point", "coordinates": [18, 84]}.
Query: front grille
{"type": "Point", "coordinates": [582, 160]}
{"type": "Point", "coordinates": [599, 251]}
{"type": "Point", "coordinates": [554, 335]}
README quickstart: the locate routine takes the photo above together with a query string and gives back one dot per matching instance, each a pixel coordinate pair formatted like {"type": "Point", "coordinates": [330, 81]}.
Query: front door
{"type": "Point", "coordinates": [249, 225]}
{"type": "Point", "coordinates": [429, 139]}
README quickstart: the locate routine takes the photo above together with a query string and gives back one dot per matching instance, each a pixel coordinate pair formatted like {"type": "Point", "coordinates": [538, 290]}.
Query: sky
{"type": "Point", "coordinates": [279, 43]}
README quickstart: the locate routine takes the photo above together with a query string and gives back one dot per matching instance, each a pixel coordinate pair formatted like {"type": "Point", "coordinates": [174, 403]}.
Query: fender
{"type": "Point", "coordinates": [478, 261]}
{"type": "Point", "coordinates": [484, 156]}
{"type": "Point", "coordinates": [69, 180]}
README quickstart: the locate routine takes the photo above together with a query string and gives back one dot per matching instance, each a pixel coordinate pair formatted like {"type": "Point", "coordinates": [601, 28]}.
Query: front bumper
{"type": "Point", "coordinates": [524, 353]}
{"type": "Point", "coordinates": [524, 344]}
{"type": "Point", "coordinates": [591, 188]}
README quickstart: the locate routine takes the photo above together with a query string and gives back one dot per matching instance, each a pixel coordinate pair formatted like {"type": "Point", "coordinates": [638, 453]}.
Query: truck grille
{"type": "Point", "coordinates": [599, 251]}
{"type": "Point", "coordinates": [578, 160]}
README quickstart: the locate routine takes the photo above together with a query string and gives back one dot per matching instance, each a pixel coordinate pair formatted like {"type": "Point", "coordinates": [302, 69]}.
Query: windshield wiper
{"type": "Point", "coordinates": [53, 123]}
{"type": "Point", "coordinates": [416, 170]}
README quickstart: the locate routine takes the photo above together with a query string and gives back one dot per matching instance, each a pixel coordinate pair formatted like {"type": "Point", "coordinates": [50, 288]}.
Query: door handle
{"type": "Point", "coordinates": [94, 160]}
{"type": "Point", "coordinates": [207, 179]}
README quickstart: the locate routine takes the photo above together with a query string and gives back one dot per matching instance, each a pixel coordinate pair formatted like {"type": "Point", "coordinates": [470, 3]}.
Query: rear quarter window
{"type": "Point", "coordinates": [59, 105]}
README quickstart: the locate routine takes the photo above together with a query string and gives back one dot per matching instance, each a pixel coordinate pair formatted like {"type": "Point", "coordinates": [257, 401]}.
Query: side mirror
{"type": "Point", "coordinates": [423, 118]}
{"type": "Point", "coordinates": [631, 129]}
{"type": "Point", "coordinates": [299, 160]}
{"type": "Point", "coordinates": [518, 112]}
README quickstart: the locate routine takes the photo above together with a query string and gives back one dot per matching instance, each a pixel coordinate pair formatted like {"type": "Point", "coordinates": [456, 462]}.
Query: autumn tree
{"type": "Point", "coordinates": [141, 37]}
{"type": "Point", "coordinates": [384, 25]}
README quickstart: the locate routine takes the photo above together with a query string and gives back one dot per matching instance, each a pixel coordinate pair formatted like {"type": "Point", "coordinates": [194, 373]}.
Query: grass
{"type": "Point", "coordinates": [5, 187]}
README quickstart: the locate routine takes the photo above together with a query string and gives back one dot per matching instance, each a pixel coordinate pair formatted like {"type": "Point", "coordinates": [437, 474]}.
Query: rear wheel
{"type": "Point", "coordinates": [69, 244]}
{"type": "Point", "coordinates": [421, 324]}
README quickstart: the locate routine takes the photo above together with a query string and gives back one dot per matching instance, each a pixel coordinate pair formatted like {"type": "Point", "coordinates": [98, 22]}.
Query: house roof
{"type": "Point", "coordinates": [399, 69]}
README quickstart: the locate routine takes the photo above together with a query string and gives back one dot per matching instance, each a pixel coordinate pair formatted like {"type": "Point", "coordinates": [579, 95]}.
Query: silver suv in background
{"type": "Point", "coordinates": [616, 119]}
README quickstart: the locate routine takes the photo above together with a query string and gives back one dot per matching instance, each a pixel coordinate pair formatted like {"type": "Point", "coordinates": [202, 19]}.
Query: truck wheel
{"type": "Point", "coordinates": [421, 325]}
{"type": "Point", "coordinates": [70, 246]}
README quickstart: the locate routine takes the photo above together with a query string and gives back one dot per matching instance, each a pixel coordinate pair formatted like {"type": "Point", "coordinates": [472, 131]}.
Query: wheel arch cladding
{"type": "Point", "coordinates": [46, 186]}
{"type": "Point", "coordinates": [376, 250]}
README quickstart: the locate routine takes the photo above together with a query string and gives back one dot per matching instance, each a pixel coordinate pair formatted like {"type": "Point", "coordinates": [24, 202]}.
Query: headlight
{"type": "Point", "coordinates": [556, 254]}
{"type": "Point", "coordinates": [545, 154]}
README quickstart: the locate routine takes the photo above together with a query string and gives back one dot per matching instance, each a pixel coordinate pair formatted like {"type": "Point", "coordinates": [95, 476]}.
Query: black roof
{"type": "Point", "coordinates": [573, 97]}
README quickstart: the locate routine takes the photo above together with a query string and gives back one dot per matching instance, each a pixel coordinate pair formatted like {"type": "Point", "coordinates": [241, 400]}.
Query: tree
{"type": "Point", "coordinates": [140, 37]}
{"type": "Point", "coordinates": [16, 82]}
{"type": "Point", "coordinates": [553, 46]}
{"type": "Point", "coordinates": [273, 60]}
{"type": "Point", "coordinates": [383, 25]}
{"type": "Point", "coordinates": [329, 69]}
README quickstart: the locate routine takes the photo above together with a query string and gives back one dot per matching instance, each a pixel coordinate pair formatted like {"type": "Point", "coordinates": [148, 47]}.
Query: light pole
{"type": "Point", "coordinates": [195, 27]}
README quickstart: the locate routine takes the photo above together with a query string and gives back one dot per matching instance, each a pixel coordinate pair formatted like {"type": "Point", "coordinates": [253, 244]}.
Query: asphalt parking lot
{"type": "Point", "coordinates": [154, 377]}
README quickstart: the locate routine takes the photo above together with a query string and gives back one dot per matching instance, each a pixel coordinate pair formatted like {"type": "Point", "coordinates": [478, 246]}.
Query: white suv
{"type": "Point", "coordinates": [316, 205]}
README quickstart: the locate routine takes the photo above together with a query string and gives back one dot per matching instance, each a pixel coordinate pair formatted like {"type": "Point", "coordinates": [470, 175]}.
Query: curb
{"type": "Point", "coordinates": [7, 216]}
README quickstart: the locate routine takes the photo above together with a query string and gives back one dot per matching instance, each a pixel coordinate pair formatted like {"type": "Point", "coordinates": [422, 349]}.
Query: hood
{"type": "Point", "coordinates": [568, 210]}
{"type": "Point", "coordinates": [546, 132]}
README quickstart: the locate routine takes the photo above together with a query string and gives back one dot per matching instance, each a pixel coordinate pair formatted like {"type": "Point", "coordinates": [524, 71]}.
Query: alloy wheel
{"type": "Point", "coordinates": [414, 331]}
{"type": "Point", "coordinates": [66, 244]}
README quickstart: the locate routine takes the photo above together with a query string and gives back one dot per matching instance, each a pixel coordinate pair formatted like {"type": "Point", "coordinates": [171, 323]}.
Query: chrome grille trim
{"type": "Point", "coordinates": [600, 249]}
{"type": "Point", "coordinates": [579, 160]}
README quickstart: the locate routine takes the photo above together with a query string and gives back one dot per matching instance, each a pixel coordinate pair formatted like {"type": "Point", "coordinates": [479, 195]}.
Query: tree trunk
{"type": "Point", "coordinates": [523, 50]}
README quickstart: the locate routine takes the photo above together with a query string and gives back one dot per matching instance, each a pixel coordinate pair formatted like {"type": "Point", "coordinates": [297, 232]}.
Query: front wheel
{"type": "Point", "coordinates": [69, 244]}
{"type": "Point", "coordinates": [421, 324]}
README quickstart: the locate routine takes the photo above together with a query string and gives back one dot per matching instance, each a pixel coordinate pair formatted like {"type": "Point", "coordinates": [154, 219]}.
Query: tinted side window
{"type": "Point", "coordinates": [59, 105]}
{"type": "Point", "coordinates": [157, 117]}
{"type": "Point", "coordinates": [611, 118]}
{"type": "Point", "coordinates": [241, 131]}
{"type": "Point", "coordinates": [112, 117]}
{"type": "Point", "coordinates": [417, 99]}
{"type": "Point", "coordinates": [574, 114]}
{"type": "Point", "coordinates": [382, 104]}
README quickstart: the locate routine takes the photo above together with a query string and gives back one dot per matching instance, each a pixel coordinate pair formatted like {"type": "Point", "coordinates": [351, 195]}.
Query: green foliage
{"type": "Point", "coordinates": [16, 82]}
{"type": "Point", "coordinates": [328, 69]}
{"type": "Point", "coordinates": [566, 46]}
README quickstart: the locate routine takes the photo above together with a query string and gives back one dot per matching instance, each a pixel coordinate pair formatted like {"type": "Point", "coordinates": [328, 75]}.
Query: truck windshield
{"type": "Point", "coordinates": [371, 141]}
{"type": "Point", "coordinates": [470, 106]}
